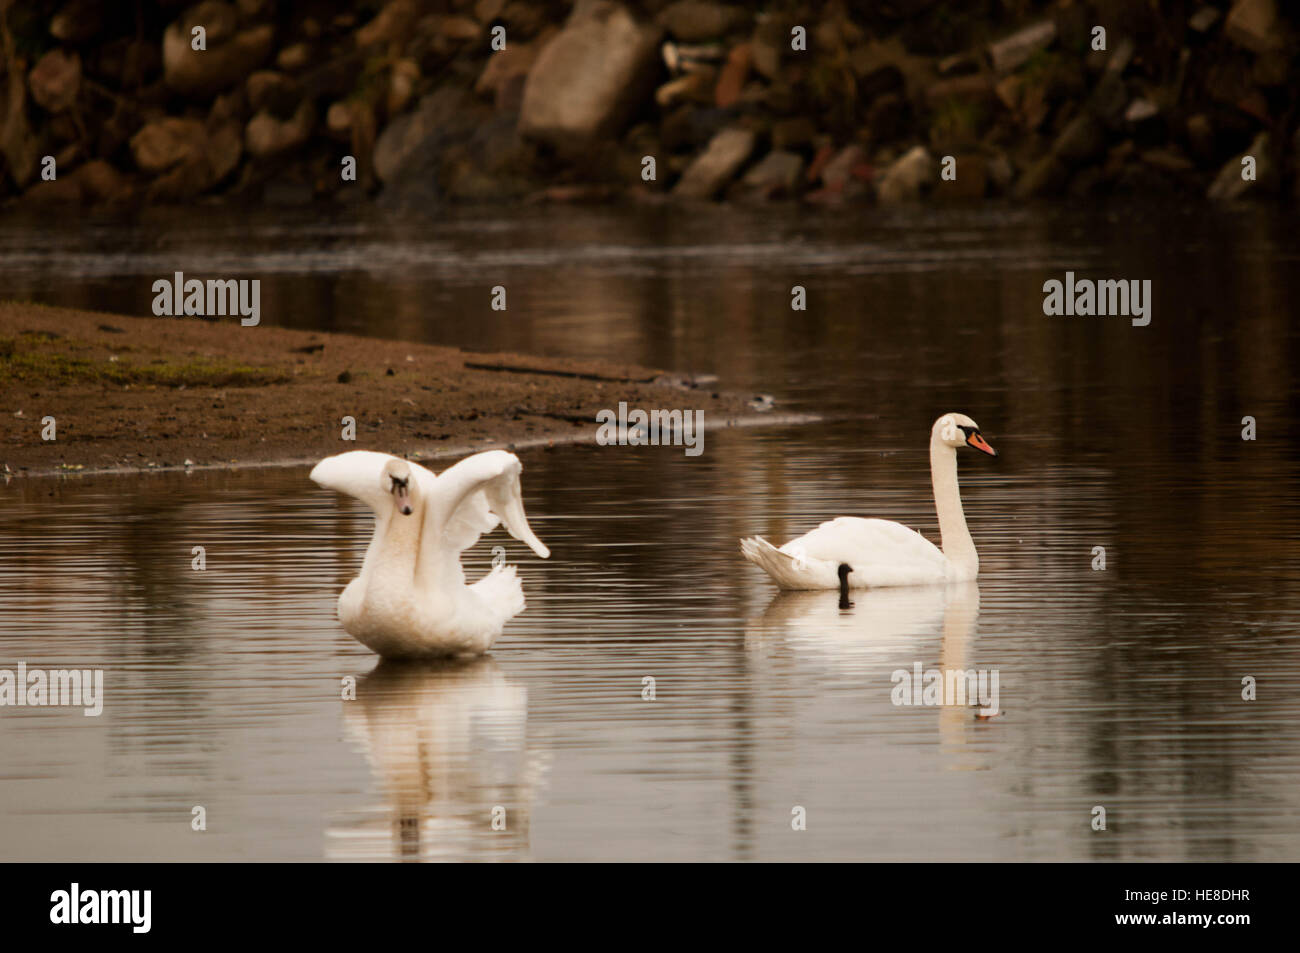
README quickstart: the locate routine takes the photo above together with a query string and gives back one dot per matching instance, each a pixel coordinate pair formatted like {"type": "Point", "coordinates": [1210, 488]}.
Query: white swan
{"type": "Point", "coordinates": [411, 600]}
{"type": "Point", "coordinates": [850, 552]}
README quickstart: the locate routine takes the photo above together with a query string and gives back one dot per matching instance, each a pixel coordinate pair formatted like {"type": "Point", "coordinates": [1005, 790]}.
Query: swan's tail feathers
{"type": "Point", "coordinates": [503, 590]}
{"type": "Point", "coordinates": [786, 571]}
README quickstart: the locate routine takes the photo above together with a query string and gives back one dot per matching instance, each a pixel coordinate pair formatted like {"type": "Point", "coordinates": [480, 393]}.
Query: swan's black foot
{"type": "Point", "coordinates": [844, 571]}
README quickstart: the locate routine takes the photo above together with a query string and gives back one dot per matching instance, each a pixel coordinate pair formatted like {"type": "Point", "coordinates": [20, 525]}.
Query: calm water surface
{"type": "Point", "coordinates": [1119, 688]}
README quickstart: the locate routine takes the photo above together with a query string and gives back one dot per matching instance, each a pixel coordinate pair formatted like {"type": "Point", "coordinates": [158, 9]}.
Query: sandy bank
{"type": "Point", "coordinates": [149, 393]}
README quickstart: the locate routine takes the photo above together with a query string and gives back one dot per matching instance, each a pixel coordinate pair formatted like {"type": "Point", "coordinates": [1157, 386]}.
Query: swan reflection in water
{"type": "Point", "coordinates": [448, 744]}
{"type": "Point", "coordinates": [884, 630]}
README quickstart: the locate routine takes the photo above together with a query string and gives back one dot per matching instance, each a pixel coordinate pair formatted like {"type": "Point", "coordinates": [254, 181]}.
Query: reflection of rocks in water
{"type": "Point", "coordinates": [447, 743]}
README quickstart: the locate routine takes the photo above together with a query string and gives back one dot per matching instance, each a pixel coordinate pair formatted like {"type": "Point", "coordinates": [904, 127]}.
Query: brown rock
{"type": "Point", "coordinates": [1228, 185]}
{"type": "Point", "coordinates": [225, 148]}
{"type": "Point", "coordinates": [689, 87]}
{"type": "Point", "coordinates": [229, 56]}
{"type": "Point", "coordinates": [187, 156]}
{"type": "Point", "coordinates": [777, 173]}
{"type": "Point", "coordinates": [1045, 177]}
{"type": "Point", "coordinates": [694, 20]}
{"type": "Point", "coordinates": [510, 94]}
{"type": "Point", "coordinates": [60, 191]}
{"type": "Point", "coordinates": [959, 64]}
{"type": "Point", "coordinates": [731, 81]}
{"type": "Point", "coordinates": [716, 165]}
{"type": "Point", "coordinates": [514, 61]}
{"type": "Point", "coordinates": [1140, 110]}
{"type": "Point", "coordinates": [525, 19]}
{"type": "Point", "coordinates": [1083, 138]}
{"type": "Point", "coordinates": [460, 29]}
{"type": "Point", "coordinates": [267, 136]}
{"type": "Point", "coordinates": [1011, 52]}
{"type": "Point", "coordinates": [409, 139]}
{"type": "Point", "coordinates": [1120, 56]}
{"type": "Point", "coordinates": [294, 58]}
{"type": "Point", "coordinates": [1167, 159]}
{"type": "Point", "coordinates": [55, 80]}
{"type": "Point", "coordinates": [485, 11]}
{"type": "Point", "coordinates": [220, 21]}
{"type": "Point", "coordinates": [165, 143]}
{"type": "Point", "coordinates": [904, 180]}
{"type": "Point", "coordinates": [101, 184]}
{"type": "Point", "coordinates": [849, 163]}
{"type": "Point", "coordinates": [975, 89]}
{"type": "Point", "coordinates": [1008, 91]}
{"type": "Point", "coordinates": [269, 89]}
{"type": "Point", "coordinates": [181, 182]}
{"type": "Point", "coordinates": [767, 59]}
{"type": "Point", "coordinates": [338, 121]}
{"type": "Point", "coordinates": [590, 77]}
{"type": "Point", "coordinates": [1034, 106]}
{"type": "Point", "coordinates": [402, 79]}
{"type": "Point", "coordinates": [999, 172]}
{"type": "Point", "coordinates": [1253, 24]}
{"type": "Point", "coordinates": [1203, 19]}
{"type": "Point", "coordinates": [1109, 100]}
{"type": "Point", "coordinates": [78, 21]}
{"type": "Point", "coordinates": [391, 24]}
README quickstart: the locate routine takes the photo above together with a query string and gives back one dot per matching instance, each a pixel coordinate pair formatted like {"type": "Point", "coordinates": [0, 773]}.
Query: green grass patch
{"type": "Point", "coordinates": [21, 362]}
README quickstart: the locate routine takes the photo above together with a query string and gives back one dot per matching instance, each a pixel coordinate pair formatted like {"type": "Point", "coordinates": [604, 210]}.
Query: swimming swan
{"type": "Point", "coordinates": [411, 600]}
{"type": "Point", "coordinates": [850, 552]}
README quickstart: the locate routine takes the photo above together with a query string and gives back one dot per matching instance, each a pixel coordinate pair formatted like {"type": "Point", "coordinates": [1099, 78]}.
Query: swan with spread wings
{"type": "Point", "coordinates": [411, 599]}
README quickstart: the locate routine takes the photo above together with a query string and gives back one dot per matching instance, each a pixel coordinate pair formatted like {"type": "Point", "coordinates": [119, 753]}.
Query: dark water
{"type": "Point", "coordinates": [1119, 688]}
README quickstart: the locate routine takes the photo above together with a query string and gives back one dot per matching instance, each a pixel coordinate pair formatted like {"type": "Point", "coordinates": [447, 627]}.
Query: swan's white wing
{"type": "Point", "coordinates": [472, 495]}
{"type": "Point", "coordinates": [357, 473]}
{"type": "Point", "coordinates": [472, 519]}
{"type": "Point", "coordinates": [882, 553]}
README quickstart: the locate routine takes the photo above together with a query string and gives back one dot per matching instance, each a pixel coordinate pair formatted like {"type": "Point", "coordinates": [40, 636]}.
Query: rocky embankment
{"type": "Point", "coordinates": [408, 102]}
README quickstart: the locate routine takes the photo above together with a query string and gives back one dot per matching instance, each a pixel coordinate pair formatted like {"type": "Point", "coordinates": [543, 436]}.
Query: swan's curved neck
{"type": "Point", "coordinates": [954, 537]}
{"type": "Point", "coordinates": [398, 544]}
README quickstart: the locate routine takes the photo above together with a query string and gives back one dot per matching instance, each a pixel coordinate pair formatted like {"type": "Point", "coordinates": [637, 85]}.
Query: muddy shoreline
{"type": "Point", "coordinates": [131, 394]}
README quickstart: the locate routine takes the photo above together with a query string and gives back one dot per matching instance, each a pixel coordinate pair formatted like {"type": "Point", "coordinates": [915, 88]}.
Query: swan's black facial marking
{"type": "Point", "coordinates": [401, 490]}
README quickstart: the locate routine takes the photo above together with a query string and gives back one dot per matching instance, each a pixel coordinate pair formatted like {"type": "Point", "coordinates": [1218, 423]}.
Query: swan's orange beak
{"type": "Point", "coordinates": [977, 441]}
